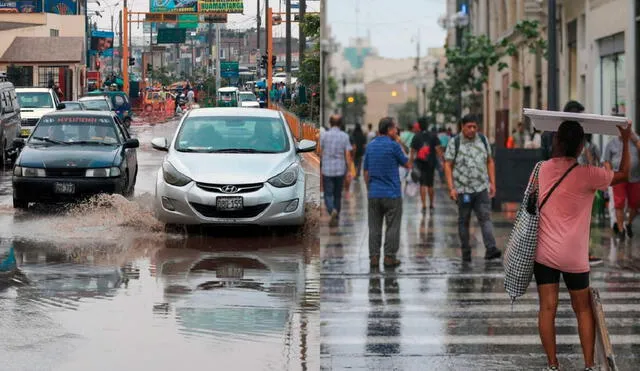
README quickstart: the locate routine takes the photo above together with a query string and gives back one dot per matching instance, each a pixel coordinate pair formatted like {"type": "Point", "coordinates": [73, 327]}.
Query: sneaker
{"type": "Point", "coordinates": [593, 261]}
{"type": "Point", "coordinates": [334, 218]}
{"type": "Point", "coordinates": [629, 231]}
{"type": "Point", "coordinates": [374, 261]}
{"type": "Point", "coordinates": [550, 368]}
{"type": "Point", "coordinates": [493, 254]}
{"type": "Point", "coordinates": [621, 235]}
{"type": "Point", "coordinates": [391, 261]}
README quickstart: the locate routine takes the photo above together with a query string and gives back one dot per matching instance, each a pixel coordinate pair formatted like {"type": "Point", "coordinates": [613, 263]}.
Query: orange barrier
{"type": "Point", "coordinates": [300, 130]}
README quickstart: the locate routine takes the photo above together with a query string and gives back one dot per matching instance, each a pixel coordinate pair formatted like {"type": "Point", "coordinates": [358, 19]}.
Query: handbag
{"type": "Point", "coordinates": [519, 256]}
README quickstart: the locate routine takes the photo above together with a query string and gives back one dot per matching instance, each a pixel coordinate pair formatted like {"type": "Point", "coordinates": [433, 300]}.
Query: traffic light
{"type": "Point", "coordinates": [149, 67]}
{"type": "Point", "coordinates": [263, 62]}
{"type": "Point", "coordinates": [132, 61]}
{"type": "Point", "coordinates": [273, 60]}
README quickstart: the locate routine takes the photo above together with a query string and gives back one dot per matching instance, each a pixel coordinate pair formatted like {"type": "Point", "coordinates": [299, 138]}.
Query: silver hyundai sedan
{"type": "Point", "coordinates": [232, 166]}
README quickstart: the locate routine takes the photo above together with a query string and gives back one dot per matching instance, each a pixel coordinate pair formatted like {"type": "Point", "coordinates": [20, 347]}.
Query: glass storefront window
{"type": "Point", "coordinates": [614, 90]}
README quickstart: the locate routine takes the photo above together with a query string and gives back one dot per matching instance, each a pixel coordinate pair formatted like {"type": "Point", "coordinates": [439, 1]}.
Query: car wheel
{"type": "Point", "coordinates": [127, 191]}
{"type": "Point", "coordinates": [20, 204]}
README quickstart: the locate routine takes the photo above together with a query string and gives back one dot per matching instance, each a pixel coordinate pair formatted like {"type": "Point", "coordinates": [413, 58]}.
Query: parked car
{"type": "Point", "coordinates": [232, 166]}
{"type": "Point", "coordinates": [96, 103]}
{"type": "Point", "coordinates": [248, 99]}
{"type": "Point", "coordinates": [120, 102]}
{"type": "Point", "coordinates": [9, 121]}
{"type": "Point", "coordinates": [35, 103]}
{"type": "Point", "coordinates": [74, 154]}
{"type": "Point", "coordinates": [73, 106]}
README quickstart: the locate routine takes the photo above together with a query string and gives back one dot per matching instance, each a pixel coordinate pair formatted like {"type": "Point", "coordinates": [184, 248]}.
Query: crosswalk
{"type": "Point", "coordinates": [433, 313]}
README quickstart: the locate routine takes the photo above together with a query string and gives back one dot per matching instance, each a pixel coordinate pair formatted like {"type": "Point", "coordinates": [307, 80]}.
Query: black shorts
{"type": "Point", "coordinates": [574, 281]}
{"type": "Point", "coordinates": [427, 173]}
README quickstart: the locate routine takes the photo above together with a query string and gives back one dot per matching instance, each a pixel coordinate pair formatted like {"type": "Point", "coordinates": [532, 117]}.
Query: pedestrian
{"type": "Point", "coordinates": [563, 234]}
{"type": "Point", "coordinates": [533, 140]}
{"type": "Point", "coordinates": [335, 153]}
{"type": "Point", "coordinates": [627, 192]}
{"type": "Point", "coordinates": [383, 156]}
{"type": "Point", "coordinates": [360, 142]}
{"type": "Point", "coordinates": [547, 136]}
{"type": "Point", "coordinates": [471, 178]}
{"type": "Point", "coordinates": [370, 133]}
{"type": "Point", "coordinates": [519, 136]}
{"type": "Point", "coordinates": [406, 136]}
{"type": "Point", "coordinates": [425, 151]}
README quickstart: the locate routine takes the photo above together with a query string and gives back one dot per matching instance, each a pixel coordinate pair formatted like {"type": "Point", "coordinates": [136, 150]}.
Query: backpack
{"type": "Point", "coordinates": [425, 150]}
{"type": "Point", "coordinates": [456, 142]}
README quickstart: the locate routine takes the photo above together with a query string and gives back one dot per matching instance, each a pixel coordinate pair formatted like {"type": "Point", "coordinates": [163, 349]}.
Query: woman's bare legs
{"type": "Point", "coordinates": [548, 294]}
{"type": "Point", "coordinates": [581, 303]}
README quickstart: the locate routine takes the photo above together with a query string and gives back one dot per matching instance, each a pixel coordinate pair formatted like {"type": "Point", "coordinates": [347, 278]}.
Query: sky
{"type": "Point", "coordinates": [391, 27]}
{"type": "Point", "coordinates": [246, 20]}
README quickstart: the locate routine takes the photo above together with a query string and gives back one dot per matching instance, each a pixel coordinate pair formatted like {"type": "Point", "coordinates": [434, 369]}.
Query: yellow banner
{"type": "Point", "coordinates": [220, 6]}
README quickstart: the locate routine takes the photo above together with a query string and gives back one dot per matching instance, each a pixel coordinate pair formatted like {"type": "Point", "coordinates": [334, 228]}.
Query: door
{"type": "Point", "coordinates": [502, 127]}
{"type": "Point", "coordinates": [130, 154]}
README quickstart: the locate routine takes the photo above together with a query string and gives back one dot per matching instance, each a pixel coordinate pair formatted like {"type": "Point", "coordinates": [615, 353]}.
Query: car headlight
{"type": "Point", "coordinates": [173, 176]}
{"type": "Point", "coordinates": [29, 172]}
{"type": "Point", "coordinates": [104, 172]}
{"type": "Point", "coordinates": [286, 178]}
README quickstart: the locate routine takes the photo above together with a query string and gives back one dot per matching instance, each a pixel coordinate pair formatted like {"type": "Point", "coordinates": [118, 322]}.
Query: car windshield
{"type": "Point", "coordinates": [35, 100]}
{"type": "Point", "coordinates": [235, 134]}
{"type": "Point", "coordinates": [227, 95]}
{"type": "Point", "coordinates": [248, 97]}
{"type": "Point", "coordinates": [96, 104]}
{"type": "Point", "coordinates": [75, 129]}
{"type": "Point", "coordinates": [72, 106]}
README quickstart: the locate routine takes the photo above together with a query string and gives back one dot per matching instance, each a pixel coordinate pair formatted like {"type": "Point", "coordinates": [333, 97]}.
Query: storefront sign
{"type": "Point", "coordinates": [62, 7]}
{"type": "Point", "coordinates": [173, 6]}
{"type": "Point", "coordinates": [21, 6]}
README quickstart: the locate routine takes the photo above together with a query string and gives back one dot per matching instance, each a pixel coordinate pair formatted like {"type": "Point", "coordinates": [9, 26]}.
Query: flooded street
{"type": "Point", "coordinates": [103, 287]}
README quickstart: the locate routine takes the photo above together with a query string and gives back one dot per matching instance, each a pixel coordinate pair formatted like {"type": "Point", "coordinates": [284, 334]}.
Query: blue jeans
{"type": "Point", "coordinates": [332, 192]}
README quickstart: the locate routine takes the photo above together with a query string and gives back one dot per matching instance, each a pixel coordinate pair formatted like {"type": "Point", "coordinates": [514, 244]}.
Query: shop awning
{"type": "Point", "coordinates": [44, 50]}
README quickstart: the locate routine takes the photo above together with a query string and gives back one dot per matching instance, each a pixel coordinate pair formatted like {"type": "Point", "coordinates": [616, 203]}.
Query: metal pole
{"type": "Point", "coordinates": [120, 41]}
{"type": "Point", "coordinates": [288, 47]}
{"type": "Point", "coordinates": [210, 41]}
{"type": "Point", "coordinates": [418, 100]}
{"type": "Point", "coordinates": [218, 74]}
{"type": "Point", "coordinates": [303, 39]}
{"type": "Point", "coordinates": [112, 57]}
{"type": "Point", "coordinates": [259, 24]}
{"type": "Point", "coordinates": [87, 39]}
{"type": "Point", "coordinates": [267, 22]}
{"type": "Point", "coordinates": [125, 49]}
{"type": "Point", "coordinates": [269, 54]}
{"type": "Point", "coordinates": [552, 71]}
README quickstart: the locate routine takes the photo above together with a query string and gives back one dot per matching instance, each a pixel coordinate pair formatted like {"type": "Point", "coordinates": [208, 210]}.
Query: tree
{"type": "Point", "coordinates": [309, 74]}
{"type": "Point", "coordinates": [407, 114]}
{"type": "Point", "coordinates": [468, 66]}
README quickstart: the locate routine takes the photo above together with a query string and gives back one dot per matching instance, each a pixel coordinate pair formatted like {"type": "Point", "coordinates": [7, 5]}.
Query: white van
{"type": "Point", "coordinates": [35, 103]}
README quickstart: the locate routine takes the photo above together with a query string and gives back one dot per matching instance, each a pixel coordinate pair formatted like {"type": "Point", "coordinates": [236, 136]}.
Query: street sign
{"type": "Point", "coordinates": [229, 69]}
{"type": "Point", "coordinates": [216, 18]}
{"type": "Point", "coordinates": [220, 6]}
{"type": "Point", "coordinates": [188, 21]}
{"type": "Point", "coordinates": [172, 35]}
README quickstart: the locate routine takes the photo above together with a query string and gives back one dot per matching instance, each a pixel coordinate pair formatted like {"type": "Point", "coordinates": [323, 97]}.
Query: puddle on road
{"type": "Point", "coordinates": [207, 299]}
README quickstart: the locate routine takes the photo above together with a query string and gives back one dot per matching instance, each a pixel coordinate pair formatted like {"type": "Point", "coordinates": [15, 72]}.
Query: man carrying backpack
{"type": "Point", "coordinates": [425, 151]}
{"type": "Point", "coordinates": [471, 177]}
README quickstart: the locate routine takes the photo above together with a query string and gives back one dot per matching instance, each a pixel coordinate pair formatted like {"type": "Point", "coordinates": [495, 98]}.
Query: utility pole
{"type": "Point", "coordinates": [418, 82]}
{"type": "Point", "coordinates": [210, 41]}
{"type": "Point", "coordinates": [269, 53]}
{"type": "Point", "coordinates": [288, 47]}
{"type": "Point", "coordinates": [120, 43]}
{"type": "Point", "coordinates": [303, 39]}
{"type": "Point", "coordinates": [552, 72]}
{"type": "Point", "coordinates": [112, 56]}
{"type": "Point", "coordinates": [259, 56]}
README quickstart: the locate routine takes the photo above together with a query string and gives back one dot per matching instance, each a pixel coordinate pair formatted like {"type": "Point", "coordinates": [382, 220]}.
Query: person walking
{"type": "Point", "coordinates": [566, 191]}
{"type": "Point", "coordinates": [360, 142]}
{"type": "Point", "coordinates": [471, 178]}
{"type": "Point", "coordinates": [335, 154]}
{"type": "Point", "coordinates": [370, 133]}
{"type": "Point", "coordinates": [624, 193]}
{"type": "Point", "coordinates": [383, 157]}
{"type": "Point", "coordinates": [425, 151]}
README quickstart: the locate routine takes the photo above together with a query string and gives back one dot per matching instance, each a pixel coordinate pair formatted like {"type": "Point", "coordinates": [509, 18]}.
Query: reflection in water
{"type": "Point", "coordinates": [237, 296]}
{"type": "Point", "coordinates": [383, 322]}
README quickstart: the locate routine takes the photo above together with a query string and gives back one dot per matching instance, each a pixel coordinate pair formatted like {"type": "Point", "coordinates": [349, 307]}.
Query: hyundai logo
{"type": "Point", "coordinates": [229, 189]}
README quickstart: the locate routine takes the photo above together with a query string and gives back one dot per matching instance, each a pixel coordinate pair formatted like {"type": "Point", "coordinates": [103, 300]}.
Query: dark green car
{"type": "Point", "coordinates": [121, 103]}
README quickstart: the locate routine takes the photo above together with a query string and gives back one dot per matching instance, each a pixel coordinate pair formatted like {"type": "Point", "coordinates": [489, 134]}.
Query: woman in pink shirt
{"type": "Point", "coordinates": [563, 237]}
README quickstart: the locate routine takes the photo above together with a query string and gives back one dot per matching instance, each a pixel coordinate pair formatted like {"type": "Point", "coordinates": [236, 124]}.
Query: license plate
{"type": "Point", "coordinates": [25, 132]}
{"type": "Point", "coordinates": [229, 203]}
{"type": "Point", "coordinates": [230, 272]}
{"type": "Point", "coordinates": [65, 188]}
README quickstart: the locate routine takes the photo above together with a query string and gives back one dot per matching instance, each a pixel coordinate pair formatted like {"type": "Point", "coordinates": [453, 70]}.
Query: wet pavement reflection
{"type": "Point", "coordinates": [103, 287]}
{"type": "Point", "coordinates": [432, 312]}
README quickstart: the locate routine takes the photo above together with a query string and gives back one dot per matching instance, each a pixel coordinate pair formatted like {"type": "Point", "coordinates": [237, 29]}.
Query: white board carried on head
{"type": "Point", "coordinates": [591, 123]}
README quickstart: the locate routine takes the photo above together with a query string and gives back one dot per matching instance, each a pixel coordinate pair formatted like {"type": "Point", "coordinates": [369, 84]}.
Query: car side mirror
{"type": "Point", "coordinates": [18, 142]}
{"type": "Point", "coordinates": [306, 145]}
{"type": "Point", "coordinates": [132, 143]}
{"type": "Point", "coordinates": [161, 144]}
{"type": "Point", "coordinates": [61, 106]}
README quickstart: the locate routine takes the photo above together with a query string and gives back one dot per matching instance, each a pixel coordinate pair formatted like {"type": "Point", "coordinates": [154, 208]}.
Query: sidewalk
{"type": "Point", "coordinates": [432, 311]}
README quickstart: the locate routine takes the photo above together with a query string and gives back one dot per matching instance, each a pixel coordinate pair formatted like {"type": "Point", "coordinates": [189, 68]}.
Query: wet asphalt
{"type": "Point", "coordinates": [434, 313]}
{"type": "Point", "coordinates": [103, 287]}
